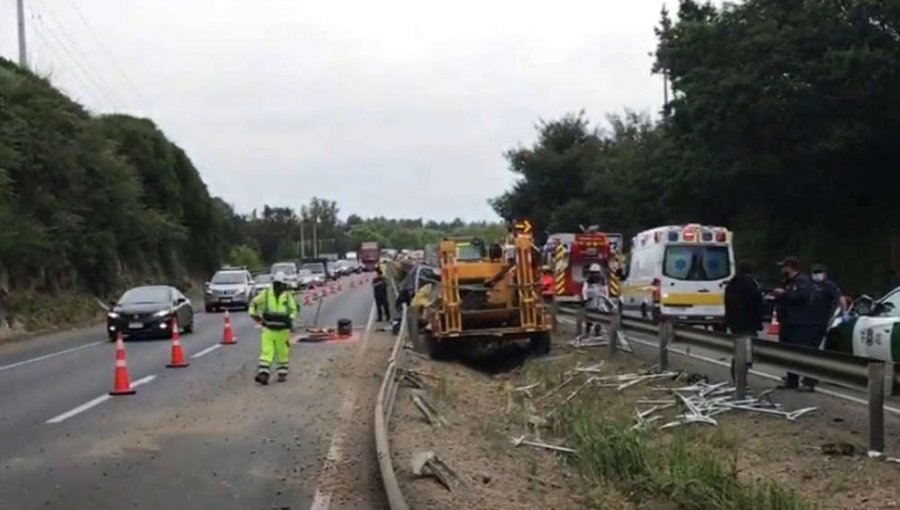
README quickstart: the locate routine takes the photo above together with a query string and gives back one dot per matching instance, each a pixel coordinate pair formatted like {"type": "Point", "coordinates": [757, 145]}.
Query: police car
{"type": "Point", "coordinates": [870, 329]}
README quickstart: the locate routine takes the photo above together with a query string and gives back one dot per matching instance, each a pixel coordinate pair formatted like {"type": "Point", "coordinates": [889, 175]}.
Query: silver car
{"type": "Point", "coordinates": [229, 288]}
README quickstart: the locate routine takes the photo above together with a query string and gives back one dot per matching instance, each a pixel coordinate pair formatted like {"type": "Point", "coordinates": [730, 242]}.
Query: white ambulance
{"type": "Point", "coordinates": [680, 273]}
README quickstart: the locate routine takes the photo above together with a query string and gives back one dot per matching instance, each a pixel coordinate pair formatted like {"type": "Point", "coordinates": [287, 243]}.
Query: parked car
{"type": "Point", "coordinates": [307, 278]}
{"type": "Point", "coordinates": [342, 267]}
{"type": "Point", "coordinates": [318, 271]}
{"type": "Point", "coordinates": [290, 271]}
{"type": "Point", "coordinates": [150, 311]}
{"type": "Point", "coordinates": [331, 271]}
{"type": "Point", "coordinates": [261, 282]}
{"type": "Point", "coordinates": [871, 328]}
{"type": "Point", "coordinates": [229, 288]}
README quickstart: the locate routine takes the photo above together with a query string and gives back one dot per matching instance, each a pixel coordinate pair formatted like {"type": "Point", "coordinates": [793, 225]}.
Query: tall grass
{"type": "Point", "coordinates": [692, 475]}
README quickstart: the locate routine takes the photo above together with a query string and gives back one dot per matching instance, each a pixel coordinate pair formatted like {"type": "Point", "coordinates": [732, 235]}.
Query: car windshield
{"type": "Point", "coordinates": [146, 295]}
{"type": "Point", "coordinates": [697, 262]}
{"type": "Point", "coordinates": [284, 268]}
{"type": "Point", "coordinates": [263, 278]}
{"type": "Point", "coordinates": [314, 267]}
{"type": "Point", "coordinates": [888, 306]}
{"type": "Point", "coordinates": [226, 278]}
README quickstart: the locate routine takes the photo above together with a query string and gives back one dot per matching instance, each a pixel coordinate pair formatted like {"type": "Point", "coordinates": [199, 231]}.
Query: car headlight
{"type": "Point", "coordinates": [112, 315]}
{"type": "Point", "coordinates": [209, 292]}
{"type": "Point", "coordinates": [162, 313]}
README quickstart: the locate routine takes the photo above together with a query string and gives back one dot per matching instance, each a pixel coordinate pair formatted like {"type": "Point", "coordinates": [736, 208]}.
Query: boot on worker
{"type": "Point", "coordinates": [275, 309]}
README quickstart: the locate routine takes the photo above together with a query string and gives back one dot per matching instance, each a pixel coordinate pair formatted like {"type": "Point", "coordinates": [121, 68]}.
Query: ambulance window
{"type": "Point", "coordinates": [696, 263]}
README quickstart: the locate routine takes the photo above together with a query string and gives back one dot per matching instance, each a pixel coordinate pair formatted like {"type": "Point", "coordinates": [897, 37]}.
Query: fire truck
{"type": "Point", "coordinates": [570, 256]}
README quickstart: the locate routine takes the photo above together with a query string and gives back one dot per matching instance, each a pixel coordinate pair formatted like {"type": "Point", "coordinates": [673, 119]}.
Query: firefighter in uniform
{"type": "Point", "coordinates": [275, 308]}
{"type": "Point", "coordinates": [547, 284]}
{"type": "Point", "coordinates": [593, 292]}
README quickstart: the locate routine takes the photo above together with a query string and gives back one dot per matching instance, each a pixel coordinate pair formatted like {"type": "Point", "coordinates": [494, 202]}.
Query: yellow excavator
{"type": "Point", "coordinates": [486, 293]}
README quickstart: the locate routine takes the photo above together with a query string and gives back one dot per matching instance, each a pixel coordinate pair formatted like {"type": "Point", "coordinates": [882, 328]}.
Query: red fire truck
{"type": "Point", "coordinates": [570, 256]}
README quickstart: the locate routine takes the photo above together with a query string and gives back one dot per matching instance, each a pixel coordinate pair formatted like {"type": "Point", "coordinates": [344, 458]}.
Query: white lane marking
{"type": "Point", "coordinates": [95, 402]}
{"type": "Point", "coordinates": [322, 498]}
{"type": "Point", "coordinates": [206, 351]}
{"type": "Point", "coordinates": [51, 355]}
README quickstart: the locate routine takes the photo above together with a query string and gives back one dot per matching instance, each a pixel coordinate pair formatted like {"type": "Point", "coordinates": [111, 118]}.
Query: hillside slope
{"type": "Point", "coordinates": [89, 204]}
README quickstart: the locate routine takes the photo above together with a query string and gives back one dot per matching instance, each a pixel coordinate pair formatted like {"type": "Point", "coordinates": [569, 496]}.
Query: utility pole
{"type": "Point", "coordinates": [302, 241]}
{"type": "Point", "coordinates": [23, 55]}
{"type": "Point", "coordinates": [315, 239]}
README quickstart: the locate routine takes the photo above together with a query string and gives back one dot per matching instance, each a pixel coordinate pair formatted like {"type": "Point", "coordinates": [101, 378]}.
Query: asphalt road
{"type": "Point", "coordinates": [200, 437]}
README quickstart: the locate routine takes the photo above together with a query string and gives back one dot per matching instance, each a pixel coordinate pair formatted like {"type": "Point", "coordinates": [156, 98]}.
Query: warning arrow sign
{"type": "Point", "coordinates": [524, 226]}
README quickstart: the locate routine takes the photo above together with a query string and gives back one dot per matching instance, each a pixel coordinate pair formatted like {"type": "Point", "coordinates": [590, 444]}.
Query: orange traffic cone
{"type": "Point", "coordinates": [324, 291]}
{"type": "Point", "coordinates": [228, 337]}
{"type": "Point", "coordinates": [178, 360]}
{"type": "Point", "coordinates": [340, 286]}
{"type": "Point", "coordinates": [122, 382]}
{"type": "Point", "coordinates": [307, 299]}
{"type": "Point", "coordinates": [774, 326]}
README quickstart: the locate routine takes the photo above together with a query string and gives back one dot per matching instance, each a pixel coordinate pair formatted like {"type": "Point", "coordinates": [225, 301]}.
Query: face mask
{"type": "Point", "coordinates": [819, 277]}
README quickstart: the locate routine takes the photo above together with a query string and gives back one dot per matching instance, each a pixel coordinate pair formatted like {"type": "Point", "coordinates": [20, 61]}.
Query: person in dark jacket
{"type": "Point", "coordinates": [379, 287]}
{"type": "Point", "coordinates": [827, 297]}
{"type": "Point", "coordinates": [797, 313]}
{"type": "Point", "coordinates": [743, 304]}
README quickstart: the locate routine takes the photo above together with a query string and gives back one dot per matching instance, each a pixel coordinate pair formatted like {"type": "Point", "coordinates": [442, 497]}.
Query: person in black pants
{"type": "Point", "coordinates": [743, 304]}
{"type": "Point", "coordinates": [798, 315]}
{"type": "Point", "coordinates": [379, 287]}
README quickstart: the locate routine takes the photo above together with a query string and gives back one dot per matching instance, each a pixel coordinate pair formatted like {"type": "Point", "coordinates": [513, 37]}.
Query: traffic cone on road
{"type": "Point", "coordinates": [228, 337]}
{"type": "Point", "coordinates": [340, 286]}
{"type": "Point", "coordinates": [774, 326]}
{"type": "Point", "coordinates": [307, 299]}
{"type": "Point", "coordinates": [122, 382]}
{"type": "Point", "coordinates": [178, 360]}
{"type": "Point", "coordinates": [324, 292]}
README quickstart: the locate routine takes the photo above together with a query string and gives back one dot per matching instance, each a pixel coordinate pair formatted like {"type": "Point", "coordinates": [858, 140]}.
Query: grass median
{"type": "Point", "coordinates": [691, 468]}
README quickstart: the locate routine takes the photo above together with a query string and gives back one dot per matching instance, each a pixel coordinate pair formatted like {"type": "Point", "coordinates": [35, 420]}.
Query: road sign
{"type": "Point", "coordinates": [524, 226]}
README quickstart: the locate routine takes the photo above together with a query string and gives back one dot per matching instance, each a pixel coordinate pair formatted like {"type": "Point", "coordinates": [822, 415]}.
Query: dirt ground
{"type": "Point", "coordinates": [484, 413]}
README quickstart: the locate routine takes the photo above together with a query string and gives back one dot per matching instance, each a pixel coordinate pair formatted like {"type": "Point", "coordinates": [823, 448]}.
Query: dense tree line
{"type": "Point", "coordinates": [284, 233]}
{"type": "Point", "coordinates": [782, 125]}
{"type": "Point", "coordinates": [92, 202]}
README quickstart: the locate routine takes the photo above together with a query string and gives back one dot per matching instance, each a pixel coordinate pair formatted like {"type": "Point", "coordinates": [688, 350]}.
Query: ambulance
{"type": "Point", "coordinates": [679, 273]}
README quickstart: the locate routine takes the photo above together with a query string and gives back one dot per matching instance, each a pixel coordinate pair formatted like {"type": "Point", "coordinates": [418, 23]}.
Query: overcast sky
{"type": "Point", "coordinates": [394, 108]}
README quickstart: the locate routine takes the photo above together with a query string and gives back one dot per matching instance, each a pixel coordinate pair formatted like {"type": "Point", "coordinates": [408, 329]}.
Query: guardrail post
{"type": "Point", "coordinates": [554, 310]}
{"type": "Point", "coordinates": [666, 332]}
{"type": "Point", "coordinates": [876, 406]}
{"type": "Point", "coordinates": [890, 374]}
{"type": "Point", "coordinates": [614, 326]}
{"type": "Point", "coordinates": [741, 365]}
{"type": "Point", "coordinates": [412, 325]}
{"type": "Point", "coordinates": [579, 321]}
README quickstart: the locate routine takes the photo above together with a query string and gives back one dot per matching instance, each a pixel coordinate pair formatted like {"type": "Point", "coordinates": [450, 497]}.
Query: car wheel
{"type": "Point", "coordinates": [208, 309]}
{"type": "Point", "coordinates": [112, 337]}
{"type": "Point", "coordinates": [188, 329]}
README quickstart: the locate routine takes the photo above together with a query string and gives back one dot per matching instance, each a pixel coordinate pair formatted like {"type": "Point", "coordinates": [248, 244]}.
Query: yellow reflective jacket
{"type": "Point", "coordinates": [267, 302]}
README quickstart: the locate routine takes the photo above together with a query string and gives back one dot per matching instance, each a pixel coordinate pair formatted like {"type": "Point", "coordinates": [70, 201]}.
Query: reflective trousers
{"type": "Point", "coordinates": [275, 347]}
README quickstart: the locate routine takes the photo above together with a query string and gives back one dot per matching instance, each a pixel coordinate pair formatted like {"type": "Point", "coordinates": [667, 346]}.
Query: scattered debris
{"type": "Point", "coordinates": [431, 414]}
{"type": "Point", "coordinates": [428, 464]}
{"type": "Point", "coordinates": [516, 441]}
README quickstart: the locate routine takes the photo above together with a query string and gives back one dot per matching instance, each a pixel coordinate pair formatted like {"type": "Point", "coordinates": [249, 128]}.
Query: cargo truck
{"type": "Point", "coordinates": [369, 255]}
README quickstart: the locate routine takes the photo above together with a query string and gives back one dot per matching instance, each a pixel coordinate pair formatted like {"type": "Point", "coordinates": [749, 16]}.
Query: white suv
{"type": "Point", "coordinates": [229, 288]}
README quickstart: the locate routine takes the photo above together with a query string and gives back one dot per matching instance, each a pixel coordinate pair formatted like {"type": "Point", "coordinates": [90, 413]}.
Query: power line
{"type": "Point", "coordinates": [98, 77]}
{"type": "Point", "coordinates": [109, 54]}
{"type": "Point", "coordinates": [90, 78]}
{"type": "Point", "coordinates": [49, 48]}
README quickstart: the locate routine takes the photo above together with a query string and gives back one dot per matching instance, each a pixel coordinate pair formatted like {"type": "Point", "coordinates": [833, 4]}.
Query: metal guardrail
{"type": "Point", "coordinates": [384, 405]}
{"type": "Point", "coordinates": [876, 377]}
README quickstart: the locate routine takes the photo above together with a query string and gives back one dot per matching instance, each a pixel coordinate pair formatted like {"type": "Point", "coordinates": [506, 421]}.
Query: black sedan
{"type": "Point", "coordinates": [150, 311]}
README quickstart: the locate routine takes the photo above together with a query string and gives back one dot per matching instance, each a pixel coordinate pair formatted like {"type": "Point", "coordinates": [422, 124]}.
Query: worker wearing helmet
{"type": "Point", "coordinates": [275, 308]}
{"type": "Point", "coordinates": [593, 294]}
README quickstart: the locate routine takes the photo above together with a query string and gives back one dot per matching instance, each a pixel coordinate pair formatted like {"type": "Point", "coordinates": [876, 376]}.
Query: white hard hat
{"type": "Point", "coordinates": [279, 277]}
{"type": "Point", "coordinates": [595, 268]}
